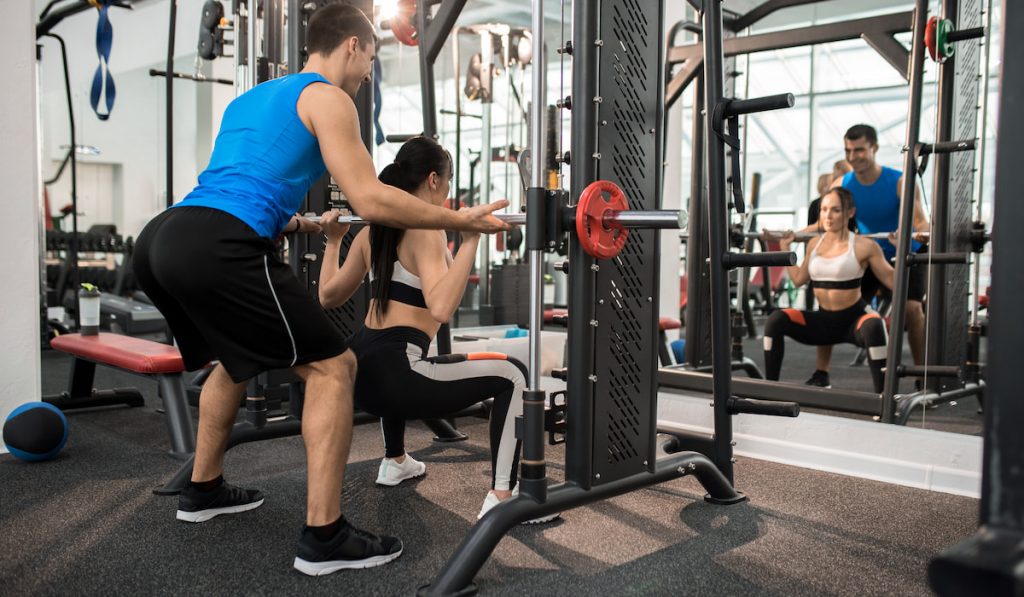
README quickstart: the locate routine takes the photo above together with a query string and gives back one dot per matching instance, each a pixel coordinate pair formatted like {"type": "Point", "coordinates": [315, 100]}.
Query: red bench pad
{"type": "Point", "coordinates": [134, 354]}
{"type": "Point", "coordinates": [669, 323]}
{"type": "Point", "coordinates": [550, 314]}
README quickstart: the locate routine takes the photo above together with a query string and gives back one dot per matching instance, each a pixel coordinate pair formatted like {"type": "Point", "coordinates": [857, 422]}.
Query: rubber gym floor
{"type": "Point", "coordinates": [87, 523]}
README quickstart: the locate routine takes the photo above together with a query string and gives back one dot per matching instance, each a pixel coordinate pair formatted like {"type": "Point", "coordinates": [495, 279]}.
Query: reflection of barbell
{"type": "Point", "coordinates": [806, 236]}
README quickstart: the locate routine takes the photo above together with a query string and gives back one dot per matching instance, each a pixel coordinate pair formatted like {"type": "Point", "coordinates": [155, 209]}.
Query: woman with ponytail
{"type": "Point", "coordinates": [415, 286]}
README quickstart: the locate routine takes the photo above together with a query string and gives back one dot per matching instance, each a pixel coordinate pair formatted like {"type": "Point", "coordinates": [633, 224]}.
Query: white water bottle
{"type": "Point", "coordinates": [89, 309]}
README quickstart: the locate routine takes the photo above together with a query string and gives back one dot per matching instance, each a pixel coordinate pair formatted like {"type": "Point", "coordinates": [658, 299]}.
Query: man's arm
{"type": "Point", "coordinates": [921, 221]}
{"type": "Point", "coordinates": [878, 263]}
{"type": "Point", "coordinates": [335, 123]}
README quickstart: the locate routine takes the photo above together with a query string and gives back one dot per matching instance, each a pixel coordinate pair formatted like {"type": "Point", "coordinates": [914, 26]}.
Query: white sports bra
{"type": "Point", "coordinates": [404, 287]}
{"type": "Point", "coordinates": [842, 269]}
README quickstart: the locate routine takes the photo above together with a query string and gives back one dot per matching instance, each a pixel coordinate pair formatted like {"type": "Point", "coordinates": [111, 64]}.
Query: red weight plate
{"type": "Point", "coordinates": [929, 37]}
{"type": "Point", "coordinates": [402, 24]}
{"type": "Point", "coordinates": [597, 200]}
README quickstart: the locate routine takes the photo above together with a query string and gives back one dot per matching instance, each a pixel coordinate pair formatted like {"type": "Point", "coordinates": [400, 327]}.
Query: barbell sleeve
{"type": "Point", "coordinates": [964, 34]}
{"type": "Point", "coordinates": [668, 218]}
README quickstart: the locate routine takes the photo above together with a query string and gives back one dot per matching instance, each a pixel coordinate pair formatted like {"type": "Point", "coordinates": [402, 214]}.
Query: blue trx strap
{"type": "Point", "coordinates": [376, 103]}
{"type": "Point", "coordinates": [102, 79]}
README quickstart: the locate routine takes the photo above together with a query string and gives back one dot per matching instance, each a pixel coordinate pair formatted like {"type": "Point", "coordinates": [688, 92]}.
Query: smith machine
{"type": "Point", "coordinates": [608, 417]}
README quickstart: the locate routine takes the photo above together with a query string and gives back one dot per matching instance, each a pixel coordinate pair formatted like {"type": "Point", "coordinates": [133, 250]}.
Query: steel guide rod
{"type": "Point", "coordinates": [979, 179]}
{"type": "Point", "coordinates": [538, 171]}
{"type": "Point", "coordinates": [902, 281]}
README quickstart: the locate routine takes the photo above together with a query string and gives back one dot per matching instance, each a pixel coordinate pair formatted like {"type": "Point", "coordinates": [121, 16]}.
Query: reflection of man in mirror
{"type": "Point", "coordinates": [876, 193]}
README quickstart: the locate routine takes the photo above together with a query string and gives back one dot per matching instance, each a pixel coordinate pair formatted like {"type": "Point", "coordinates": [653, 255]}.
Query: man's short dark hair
{"type": "Point", "coordinates": [862, 131]}
{"type": "Point", "coordinates": [334, 23]}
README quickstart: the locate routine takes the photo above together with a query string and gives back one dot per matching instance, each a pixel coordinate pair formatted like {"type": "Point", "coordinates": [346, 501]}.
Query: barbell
{"type": "Point", "coordinates": [806, 236]}
{"type": "Point", "coordinates": [601, 219]}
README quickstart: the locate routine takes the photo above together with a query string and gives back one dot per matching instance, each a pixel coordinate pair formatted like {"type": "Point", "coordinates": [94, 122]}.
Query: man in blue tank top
{"type": "Point", "coordinates": [876, 193]}
{"type": "Point", "coordinates": [210, 264]}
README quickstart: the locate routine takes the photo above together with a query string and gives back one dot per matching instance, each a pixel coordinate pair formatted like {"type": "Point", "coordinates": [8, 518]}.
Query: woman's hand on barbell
{"type": "Point", "coordinates": [329, 223]}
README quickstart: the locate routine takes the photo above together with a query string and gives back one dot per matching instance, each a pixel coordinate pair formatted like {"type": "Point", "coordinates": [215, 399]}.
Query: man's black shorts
{"type": "Point", "coordinates": [227, 295]}
{"type": "Point", "coordinates": [917, 282]}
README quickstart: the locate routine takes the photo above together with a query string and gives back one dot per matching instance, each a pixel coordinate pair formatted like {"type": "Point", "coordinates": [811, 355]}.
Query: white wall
{"type": "Point", "coordinates": [19, 209]}
{"type": "Point", "coordinates": [133, 140]}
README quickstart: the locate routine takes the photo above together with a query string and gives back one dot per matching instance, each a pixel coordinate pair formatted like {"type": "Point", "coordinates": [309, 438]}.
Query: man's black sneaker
{"type": "Point", "coordinates": [819, 379]}
{"type": "Point", "coordinates": [199, 506]}
{"type": "Point", "coordinates": [350, 548]}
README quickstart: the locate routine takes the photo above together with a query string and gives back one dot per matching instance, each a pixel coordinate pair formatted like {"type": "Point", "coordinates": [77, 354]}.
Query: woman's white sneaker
{"type": "Point", "coordinates": [492, 500]}
{"type": "Point", "coordinates": [392, 473]}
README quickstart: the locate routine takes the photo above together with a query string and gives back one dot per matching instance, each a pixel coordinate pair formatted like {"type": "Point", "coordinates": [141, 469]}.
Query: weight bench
{"type": "Point", "coordinates": [142, 357]}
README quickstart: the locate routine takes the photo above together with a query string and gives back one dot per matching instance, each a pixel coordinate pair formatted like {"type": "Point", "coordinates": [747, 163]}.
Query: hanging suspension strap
{"type": "Point", "coordinates": [103, 81]}
{"type": "Point", "coordinates": [732, 139]}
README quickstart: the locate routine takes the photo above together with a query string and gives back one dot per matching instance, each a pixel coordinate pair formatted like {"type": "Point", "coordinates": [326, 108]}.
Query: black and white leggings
{"type": "Point", "coordinates": [858, 324]}
{"type": "Point", "coordinates": [396, 381]}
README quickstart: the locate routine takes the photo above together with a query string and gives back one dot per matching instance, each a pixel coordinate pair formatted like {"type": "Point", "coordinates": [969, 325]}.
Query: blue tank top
{"type": "Point", "coordinates": [878, 206]}
{"type": "Point", "coordinates": [264, 159]}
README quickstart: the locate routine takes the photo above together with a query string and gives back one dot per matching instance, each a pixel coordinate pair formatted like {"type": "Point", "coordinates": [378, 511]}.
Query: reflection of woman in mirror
{"type": "Point", "coordinates": [834, 264]}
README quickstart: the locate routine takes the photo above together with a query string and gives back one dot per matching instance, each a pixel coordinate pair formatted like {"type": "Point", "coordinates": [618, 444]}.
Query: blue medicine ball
{"type": "Point", "coordinates": [679, 350]}
{"type": "Point", "coordinates": [35, 431]}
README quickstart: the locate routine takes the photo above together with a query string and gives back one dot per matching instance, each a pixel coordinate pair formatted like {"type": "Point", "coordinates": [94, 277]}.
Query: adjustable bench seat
{"type": "Point", "coordinates": [136, 355]}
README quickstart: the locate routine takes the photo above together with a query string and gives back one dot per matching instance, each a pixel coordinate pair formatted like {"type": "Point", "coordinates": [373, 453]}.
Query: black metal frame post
{"type": "Point", "coordinates": [938, 239]}
{"type": "Point", "coordinates": [579, 413]}
{"type": "Point", "coordinates": [992, 561]}
{"type": "Point", "coordinates": [432, 34]}
{"type": "Point", "coordinates": [907, 194]}
{"type": "Point", "coordinates": [721, 326]}
{"type": "Point", "coordinates": [718, 111]}
{"type": "Point", "coordinates": [949, 286]}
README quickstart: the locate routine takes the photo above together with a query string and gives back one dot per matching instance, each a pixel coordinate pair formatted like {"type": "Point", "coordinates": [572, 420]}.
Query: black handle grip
{"type": "Point", "coordinates": [765, 259]}
{"type": "Point", "coordinates": [760, 104]}
{"type": "Point", "coordinates": [938, 258]}
{"type": "Point", "coordinates": [772, 408]}
{"type": "Point", "coordinates": [949, 146]}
